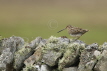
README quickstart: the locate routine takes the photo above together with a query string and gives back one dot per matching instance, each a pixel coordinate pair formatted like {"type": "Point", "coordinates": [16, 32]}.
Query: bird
{"type": "Point", "coordinates": [75, 31]}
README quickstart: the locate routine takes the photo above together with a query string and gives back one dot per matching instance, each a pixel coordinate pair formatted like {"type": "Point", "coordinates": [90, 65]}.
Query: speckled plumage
{"type": "Point", "coordinates": [75, 31]}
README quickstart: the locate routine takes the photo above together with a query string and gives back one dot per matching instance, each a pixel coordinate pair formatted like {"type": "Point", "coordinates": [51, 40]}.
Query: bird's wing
{"type": "Point", "coordinates": [77, 30]}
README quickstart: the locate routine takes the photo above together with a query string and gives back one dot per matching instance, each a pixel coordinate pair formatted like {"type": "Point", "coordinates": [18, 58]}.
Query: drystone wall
{"type": "Point", "coordinates": [53, 54]}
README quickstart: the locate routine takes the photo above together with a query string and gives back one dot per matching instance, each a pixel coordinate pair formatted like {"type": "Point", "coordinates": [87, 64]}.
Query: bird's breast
{"type": "Point", "coordinates": [76, 35]}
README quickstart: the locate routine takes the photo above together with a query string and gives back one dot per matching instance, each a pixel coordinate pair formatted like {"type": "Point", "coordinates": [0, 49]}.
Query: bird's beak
{"type": "Point", "coordinates": [61, 30]}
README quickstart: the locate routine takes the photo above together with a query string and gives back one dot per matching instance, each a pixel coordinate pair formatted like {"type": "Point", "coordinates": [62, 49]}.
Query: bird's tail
{"type": "Point", "coordinates": [87, 30]}
{"type": "Point", "coordinates": [61, 30]}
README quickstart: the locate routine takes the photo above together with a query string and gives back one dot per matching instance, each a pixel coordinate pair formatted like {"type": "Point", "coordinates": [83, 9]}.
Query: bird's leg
{"type": "Point", "coordinates": [76, 38]}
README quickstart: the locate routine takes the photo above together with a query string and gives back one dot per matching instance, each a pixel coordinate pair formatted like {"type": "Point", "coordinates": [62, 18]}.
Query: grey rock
{"type": "Point", "coordinates": [20, 56]}
{"type": "Point", "coordinates": [14, 43]}
{"type": "Point", "coordinates": [92, 46]}
{"type": "Point", "coordinates": [71, 55]}
{"type": "Point", "coordinates": [43, 42]}
{"type": "Point", "coordinates": [35, 58]}
{"type": "Point", "coordinates": [70, 69]}
{"type": "Point", "coordinates": [5, 58]}
{"type": "Point", "coordinates": [52, 39]}
{"type": "Point", "coordinates": [63, 40]}
{"type": "Point", "coordinates": [77, 41]}
{"type": "Point", "coordinates": [45, 68]}
{"type": "Point", "coordinates": [88, 58]}
{"type": "Point", "coordinates": [53, 54]}
{"type": "Point", "coordinates": [35, 42]}
{"type": "Point", "coordinates": [104, 46]}
{"type": "Point", "coordinates": [10, 46]}
{"type": "Point", "coordinates": [51, 57]}
{"type": "Point", "coordinates": [35, 67]}
{"type": "Point", "coordinates": [102, 63]}
{"type": "Point", "coordinates": [26, 52]}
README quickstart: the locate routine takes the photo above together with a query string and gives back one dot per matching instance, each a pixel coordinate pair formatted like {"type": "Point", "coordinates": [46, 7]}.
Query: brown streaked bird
{"type": "Point", "coordinates": [75, 31]}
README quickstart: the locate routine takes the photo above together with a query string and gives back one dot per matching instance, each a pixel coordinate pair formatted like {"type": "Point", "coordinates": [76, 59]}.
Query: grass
{"type": "Point", "coordinates": [31, 21]}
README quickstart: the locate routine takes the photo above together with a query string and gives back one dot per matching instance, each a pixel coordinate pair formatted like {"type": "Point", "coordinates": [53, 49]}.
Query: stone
{"type": "Point", "coordinates": [88, 58]}
{"type": "Point", "coordinates": [102, 63]}
{"type": "Point", "coordinates": [71, 55]}
{"type": "Point", "coordinates": [9, 47]}
{"type": "Point", "coordinates": [53, 54]}
{"type": "Point", "coordinates": [51, 57]}
{"type": "Point", "coordinates": [70, 69]}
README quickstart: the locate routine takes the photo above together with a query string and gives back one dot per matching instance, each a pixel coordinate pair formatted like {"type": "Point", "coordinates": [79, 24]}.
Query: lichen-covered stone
{"type": "Point", "coordinates": [1, 48]}
{"type": "Point", "coordinates": [14, 43]}
{"type": "Point", "coordinates": [103, 47]}
{"type": "Point", "coordinates": [53, 54]}
{"type": "Point", "coordinates": [35, 43]}
{"type": "Point", "coordinates": [70, 69]}
{"type": "Point", "coordinates": [35, 58]}
{"type": "Point", "coordinates": [25, 52]}
{"type": "Point", "coordinates": [35, 67]}
{"type": "Point", "coordinates": [63, 40]}
{"type": "Point", "coordinates": [93, 46]}
{"type": "Point", "coordinates": [45, 68]}
{"type": "Point", "coordinates": [53, 50]}
{"type": "Point", "coordinates": [5, 58]}
{"type": "Point", "coordinates": [102, 62]}
{"type": "Point", "coordinates": [20, 56]}
{"type": "Point", "coordinates": [52, 39]}
{"type": "Point", "coordinates": [51, 57]}
{"type": "Point", "coordinates": [88, 58]}
{"type": "Point", "coordinates": [30, 69]}
{"type": "Point", "coordinates": [71, 55]}
{"type": "Point", "coordinates": [9, 47]}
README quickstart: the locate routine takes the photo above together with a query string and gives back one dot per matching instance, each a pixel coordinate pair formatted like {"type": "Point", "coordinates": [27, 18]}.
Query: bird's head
{"type": "Point", "coordinates": [69, 26]}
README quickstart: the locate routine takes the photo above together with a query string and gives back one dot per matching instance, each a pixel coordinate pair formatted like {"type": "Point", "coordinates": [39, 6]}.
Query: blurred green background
{"type": "Point", "coordinates": [33, 18]}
